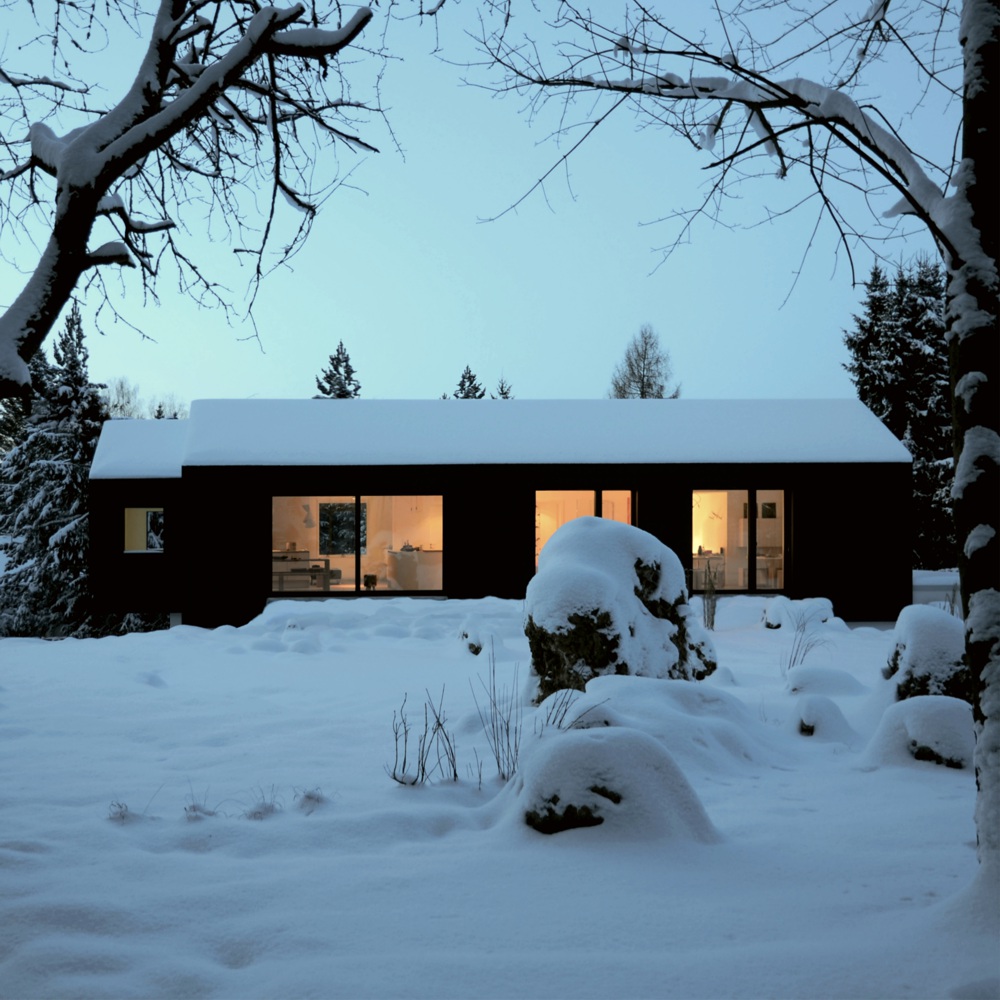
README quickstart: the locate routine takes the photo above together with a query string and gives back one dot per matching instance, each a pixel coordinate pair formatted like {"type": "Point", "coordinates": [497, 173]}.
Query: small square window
{"type": "Point", "coordinates": [144, 529]}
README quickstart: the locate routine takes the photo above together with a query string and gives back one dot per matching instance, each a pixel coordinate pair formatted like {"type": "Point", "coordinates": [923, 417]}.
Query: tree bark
{"type": "Point", "coordinates": [974, 307]}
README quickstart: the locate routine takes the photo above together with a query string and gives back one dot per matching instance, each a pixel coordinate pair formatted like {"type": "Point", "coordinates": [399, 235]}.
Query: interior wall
{"type": "Point", "coordinates": [418, 521]}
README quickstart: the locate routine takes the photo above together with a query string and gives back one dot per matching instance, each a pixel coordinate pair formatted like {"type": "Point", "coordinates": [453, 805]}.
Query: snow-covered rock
{"type": "Point", "coordinates": [821, 718]}
{"type": "Point", "coordinates": [609, 598]}
{"type": "Point", "coordinates": [620, 777]}
{"type": "Point", "coordinates": [926, 727]}
{"type": "Point", "coordinates": [927, 654]}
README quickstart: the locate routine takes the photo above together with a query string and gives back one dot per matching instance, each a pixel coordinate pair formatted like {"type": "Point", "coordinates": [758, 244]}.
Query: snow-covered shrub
{"type": "Point", "coordinates": [809, 679]}
{"type": "Point", "coordinates": [610, 598]}
{"type": "Point", "coordinates": [781, 610]}
{"type": "Point", "coordinates": [926, 727]}
{"type": "Point", "coordinates": [821, 718]}
{"type": "Point", "coordinates": [928, 654]}
{"type": "Point", "coordinates": [625, 777]}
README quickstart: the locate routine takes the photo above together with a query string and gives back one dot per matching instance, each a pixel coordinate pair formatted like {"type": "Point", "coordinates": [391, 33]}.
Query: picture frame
{"type": "Point", "coordinates": [154, 531]}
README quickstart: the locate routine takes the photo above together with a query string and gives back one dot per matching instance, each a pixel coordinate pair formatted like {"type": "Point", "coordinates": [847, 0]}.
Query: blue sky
{"type": "Point", "coordinates": [402, 269]}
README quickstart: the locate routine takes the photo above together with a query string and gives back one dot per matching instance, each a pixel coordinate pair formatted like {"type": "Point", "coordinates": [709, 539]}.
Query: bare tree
{"type": "Point", "coordinates": [767, 87]}
{"type": "Point", "coordinates": [645, 370]}
{"type": "Point", "coordinates": [228, 98]}
{"type": "Point", "coordinates": [121, 399]}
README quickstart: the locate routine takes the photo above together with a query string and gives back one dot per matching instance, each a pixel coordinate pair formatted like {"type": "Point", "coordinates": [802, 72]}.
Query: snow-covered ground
{"type": "Point", "coordinates": [208, 814]}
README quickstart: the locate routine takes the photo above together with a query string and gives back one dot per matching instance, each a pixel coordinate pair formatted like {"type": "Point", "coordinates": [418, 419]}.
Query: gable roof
{"type": "Point", "coordinates": [291, 432]}
{"type": "Point", "coordinates": [140, 449]}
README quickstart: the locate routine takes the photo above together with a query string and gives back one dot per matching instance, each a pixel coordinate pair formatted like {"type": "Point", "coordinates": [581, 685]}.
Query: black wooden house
{"type": "Point", "coordinates": [250, 500]}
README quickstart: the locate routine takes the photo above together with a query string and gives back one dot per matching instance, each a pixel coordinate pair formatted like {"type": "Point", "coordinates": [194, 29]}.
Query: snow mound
{"type": "Point", "coordinates": [821, 718]}
{"type": "Point", "coordinates": [806, 678]}
{"type": "Point", "coordinates": [926, 728]}
{"type": "Point", "coordinates": [610, 598]}
{"type": "Point", "coordinates": [784, 612]}
{"type": "Point", "coordinates": [927, 654]}
{"type": "Point", "coordinates": [706, 729]}
{"type": "Point", "coordinates": [621, 779]}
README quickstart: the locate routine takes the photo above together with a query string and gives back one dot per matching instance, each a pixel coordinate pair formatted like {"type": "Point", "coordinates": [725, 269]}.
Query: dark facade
{"type": "Point", "coordinates": [841, 531]}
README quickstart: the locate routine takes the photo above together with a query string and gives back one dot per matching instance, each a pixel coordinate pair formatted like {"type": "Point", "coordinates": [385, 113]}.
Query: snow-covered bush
{"type": "Point", "coordinates": [581, 778]}
{"type": "Point", "coordinates": [821, 718]}
{"type": "Point", "coordinates": [609, 598]}
{"type": "Point", "coordinates": [810, 611]}
{"type": "Point", "coordinates": [928, 654]}
{"type": "Point", "coordinates": [926, 727]}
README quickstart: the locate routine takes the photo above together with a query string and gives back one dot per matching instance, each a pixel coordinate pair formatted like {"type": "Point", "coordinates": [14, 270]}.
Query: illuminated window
{"type": "Point", "coordinates": [357, 543]}
{"type": "Point", "coordinates": [731, 548]}
{"type": "Point", "coordinates": [616, 505]}
{"type": "Point", "coordinates": [144, 529]}
{"type": "Point", "coordinates": [553, 508]}
{"type": "Point", "coordinates": [770, 540]}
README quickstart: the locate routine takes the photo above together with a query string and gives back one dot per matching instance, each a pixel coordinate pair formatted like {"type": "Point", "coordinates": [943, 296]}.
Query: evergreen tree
{"type": "Point", "coordinates": [43, 488]}
{"type": "Point", "coordinates": [644, 371]}
{"type": "Point", "coordinates": [468, 386]}
{"type": "Point", "coordinates": [338, 381]}
{"type": "Point", "coordinates": [504, 390]}
{"type": "Point", "coordinates": [899, 365]}
{"type": "Point", "coordinates": [14, 412]}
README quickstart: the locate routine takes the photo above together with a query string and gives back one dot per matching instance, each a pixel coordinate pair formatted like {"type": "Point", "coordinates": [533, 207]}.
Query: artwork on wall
{"type": "Point", "coordinates": [154, 530]}
{"type": "Point", "coordinates": [768, 510]}
{"type": "Point", "coordinates": [337, 528]}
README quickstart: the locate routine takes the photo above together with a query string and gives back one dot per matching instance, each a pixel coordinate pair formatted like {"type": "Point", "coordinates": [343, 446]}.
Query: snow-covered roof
{"type": "Point", "coordinates": [467, 432]}
{"type": "Point", "coordinates": [140, 449]}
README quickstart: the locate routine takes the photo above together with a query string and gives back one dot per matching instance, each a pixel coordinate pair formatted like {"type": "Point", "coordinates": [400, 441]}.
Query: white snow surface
{"type": "Point", "coordinates": [746, 860]}
{"type": "Point", "coordinates": [460, 432]}
{"type": "Point", "coordinates": [140, 449]}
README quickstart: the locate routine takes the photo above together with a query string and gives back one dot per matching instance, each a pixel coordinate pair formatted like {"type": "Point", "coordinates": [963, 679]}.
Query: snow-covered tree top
{"type": "Point", "coordinates": [448, 432]}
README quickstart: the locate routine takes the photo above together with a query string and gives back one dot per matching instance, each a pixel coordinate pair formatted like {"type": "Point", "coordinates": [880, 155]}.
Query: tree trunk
{"type": "Point", "coordinates": [975, 356]}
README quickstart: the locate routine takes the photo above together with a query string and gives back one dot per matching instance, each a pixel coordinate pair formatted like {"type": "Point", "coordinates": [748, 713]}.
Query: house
{"type": "Point", "coordinates": [250, 500]}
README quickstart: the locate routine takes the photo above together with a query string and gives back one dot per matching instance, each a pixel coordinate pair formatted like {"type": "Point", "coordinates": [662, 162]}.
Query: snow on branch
{"type": "Point", "coordinates": [314, 42]}
{"type": "Point", "coordinates": [217, 104]}
{"type": "Point", "coordinates": [114, 205]}
{"type": "Point", "coordinates": [112, 252]}
{"type": "Point", "coordinates": [39, 81]}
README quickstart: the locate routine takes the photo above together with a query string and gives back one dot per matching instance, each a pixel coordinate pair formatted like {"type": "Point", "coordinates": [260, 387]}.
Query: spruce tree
{"type": "Point", "coordinates": [338, 380]}
{"type": "Point", "coordinates": [899, 366]}
{"type": "Point", "coordinates": [468, 386]}
{"type": "Point", "coordinates": [14, 412]}
{"type": "Point", "coordinates": [43, 499]}
{"type": "Point", "coordinates": [504, 390]}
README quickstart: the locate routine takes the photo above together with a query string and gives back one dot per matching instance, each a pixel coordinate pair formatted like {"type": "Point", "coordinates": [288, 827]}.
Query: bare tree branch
{"type": "Point", "coordinates": [225, 95]}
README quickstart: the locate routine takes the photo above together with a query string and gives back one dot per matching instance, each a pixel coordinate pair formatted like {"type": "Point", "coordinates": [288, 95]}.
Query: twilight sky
{"type": "Point", "coordinates": [401, 267]}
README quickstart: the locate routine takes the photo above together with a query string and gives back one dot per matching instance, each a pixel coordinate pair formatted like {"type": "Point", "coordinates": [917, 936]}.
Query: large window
{"type": "Point", "coordinates": [553, 508]}
{"type": "Point", "coordinates": [357, 543]}
{"type": "Point", "coordinates": [144, 529]}
{"type": "Point", "coordinates": [738, 539]}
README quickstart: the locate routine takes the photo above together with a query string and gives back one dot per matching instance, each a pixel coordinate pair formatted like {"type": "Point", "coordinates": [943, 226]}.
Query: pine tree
{"type": "Point", "coordinates": [504, 390]}
{"type": "Point", "coordinates": [14, 412]}
{"type": "Point", "coordinates": [899, 365]}
{"type": "Point", "coordinates": [468, 386]}
{"type": "Point", "coordinates": [338, 381]}
{"type": "Point", "coordinates": [644, 371]}
{"type": "Point", "coordinates": [43, 499]}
